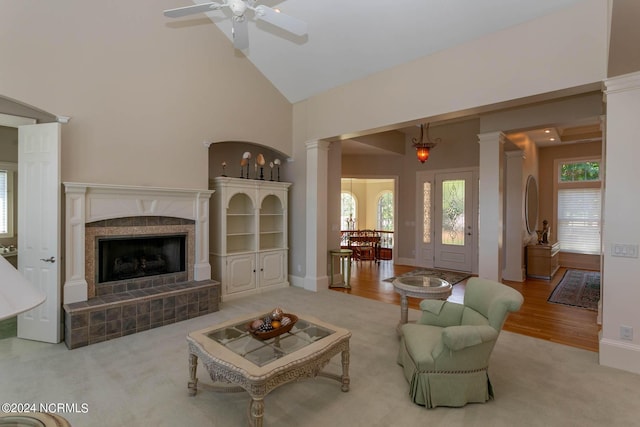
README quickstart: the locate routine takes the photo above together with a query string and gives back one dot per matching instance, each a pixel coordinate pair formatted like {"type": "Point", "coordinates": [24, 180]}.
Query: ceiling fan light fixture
{"type": "Point", "coordinates": [238, 8]}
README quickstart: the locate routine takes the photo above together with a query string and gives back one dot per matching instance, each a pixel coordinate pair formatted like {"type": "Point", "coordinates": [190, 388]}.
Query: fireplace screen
{"type": "Point", "coordinates": [122, 258]}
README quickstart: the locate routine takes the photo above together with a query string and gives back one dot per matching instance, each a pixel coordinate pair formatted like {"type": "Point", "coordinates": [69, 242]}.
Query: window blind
{"type": "Point", "coordinates": [579, 220]}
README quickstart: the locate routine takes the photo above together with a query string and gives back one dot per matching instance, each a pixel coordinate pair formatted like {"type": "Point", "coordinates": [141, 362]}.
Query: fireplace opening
{"type": "Point", "coordinates": [122, 258]}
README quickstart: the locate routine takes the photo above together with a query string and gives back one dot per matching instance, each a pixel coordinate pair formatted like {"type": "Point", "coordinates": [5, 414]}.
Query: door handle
{"type": "Point", "coordinates": [51, 260]}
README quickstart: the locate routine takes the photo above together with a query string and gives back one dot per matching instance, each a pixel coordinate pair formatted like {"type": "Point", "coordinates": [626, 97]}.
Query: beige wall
{"type": "Point", "coordinates": [8, 144]}
{"type": "Point", "coordinates": [143, 92]}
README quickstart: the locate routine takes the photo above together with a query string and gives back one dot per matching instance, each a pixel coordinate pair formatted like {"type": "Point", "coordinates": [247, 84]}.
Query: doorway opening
{"type": "Point", "coordinates": [368, 208]}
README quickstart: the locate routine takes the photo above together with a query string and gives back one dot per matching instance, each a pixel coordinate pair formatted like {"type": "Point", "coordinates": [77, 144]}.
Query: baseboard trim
{"type": "Point", "coordinates": [620, 355]}
{"type": "Point", "coordinates": [405, 261]}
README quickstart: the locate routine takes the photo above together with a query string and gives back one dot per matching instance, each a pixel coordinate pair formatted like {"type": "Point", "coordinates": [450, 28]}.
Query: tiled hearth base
{"type": "Point", "coordinates": [115, 315]}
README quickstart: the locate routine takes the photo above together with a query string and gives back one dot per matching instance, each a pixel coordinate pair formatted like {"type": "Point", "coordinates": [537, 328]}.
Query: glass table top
{"type": "Point", "coordinates": [238, 339]}
{"type": "Point", "coordinates": [424, 282]}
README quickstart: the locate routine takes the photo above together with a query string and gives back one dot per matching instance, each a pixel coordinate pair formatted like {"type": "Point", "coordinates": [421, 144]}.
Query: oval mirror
{"type": "Point", "coordinates": [531, 204]}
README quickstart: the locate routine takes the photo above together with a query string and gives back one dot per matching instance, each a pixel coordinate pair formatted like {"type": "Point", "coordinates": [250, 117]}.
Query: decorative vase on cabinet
{"type": "Point", "coordinates": [248, 235]}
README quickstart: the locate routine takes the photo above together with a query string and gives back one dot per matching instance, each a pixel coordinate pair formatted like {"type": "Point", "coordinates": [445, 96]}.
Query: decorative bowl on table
{"type": "Point", "coordinates": [271, 325]}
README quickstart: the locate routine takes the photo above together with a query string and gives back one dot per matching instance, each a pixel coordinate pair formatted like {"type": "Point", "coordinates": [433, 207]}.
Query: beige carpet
{"type": "Point", "coordinates": [141, 379]}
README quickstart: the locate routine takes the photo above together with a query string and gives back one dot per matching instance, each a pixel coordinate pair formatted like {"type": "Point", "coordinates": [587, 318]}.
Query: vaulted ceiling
{"type": "Point", "coordinates": [348, 40]}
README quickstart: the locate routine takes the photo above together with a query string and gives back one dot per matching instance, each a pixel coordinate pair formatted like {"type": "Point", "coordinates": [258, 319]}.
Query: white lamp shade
{"type": "Point", "coordinates": [17, 295]}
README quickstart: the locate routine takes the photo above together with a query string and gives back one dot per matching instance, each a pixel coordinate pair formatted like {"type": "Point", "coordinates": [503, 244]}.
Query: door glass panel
{"type": "Point", "coordinates": [453, 212]}
{"type": "Point", "coordinates": [426, 212]}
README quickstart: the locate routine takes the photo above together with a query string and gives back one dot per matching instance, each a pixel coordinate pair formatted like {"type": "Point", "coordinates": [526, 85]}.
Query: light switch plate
{"type": "Point", "coordinates": [624, 250]}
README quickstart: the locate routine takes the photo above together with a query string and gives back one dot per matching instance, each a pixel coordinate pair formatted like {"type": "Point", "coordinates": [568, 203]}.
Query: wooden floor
{"type": "Point", "coordinates": [576, 327]}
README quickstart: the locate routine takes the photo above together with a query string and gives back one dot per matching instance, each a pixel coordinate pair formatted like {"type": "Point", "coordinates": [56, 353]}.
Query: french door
{"type": "Point", "coordinates": [447, 220]}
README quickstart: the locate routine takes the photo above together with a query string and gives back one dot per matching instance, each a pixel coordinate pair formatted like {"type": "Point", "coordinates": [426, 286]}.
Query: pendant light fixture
{"type": "Point", "coordinates": [424, 144]}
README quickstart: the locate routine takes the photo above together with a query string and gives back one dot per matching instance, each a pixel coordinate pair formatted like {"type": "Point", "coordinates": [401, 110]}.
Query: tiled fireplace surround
{"type": "Point", "coordinates": [106, 311]}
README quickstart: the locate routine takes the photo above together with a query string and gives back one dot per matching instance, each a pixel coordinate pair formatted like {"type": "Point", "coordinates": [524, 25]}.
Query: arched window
{"type": "Point", "coordinates": [385, 211]}
{"type": "Point", "coordinates": [348, 211]}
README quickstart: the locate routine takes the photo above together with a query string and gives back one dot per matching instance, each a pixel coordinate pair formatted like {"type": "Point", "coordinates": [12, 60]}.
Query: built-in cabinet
{"type": "Point", "coordinates": [248, 235]}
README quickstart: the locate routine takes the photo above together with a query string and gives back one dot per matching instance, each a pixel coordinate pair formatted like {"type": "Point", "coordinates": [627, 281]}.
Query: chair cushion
{"type": "Point", "coordinates": [420, 342]}
{"type": "Point", "coordinates": [472, 317]}
{"type": "Point", "coordinates": [460, 337]}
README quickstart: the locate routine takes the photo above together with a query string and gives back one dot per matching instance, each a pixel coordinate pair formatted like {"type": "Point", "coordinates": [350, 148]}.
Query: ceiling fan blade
{"type": "Point", "coordinates": [279, 19]}
{"type": "Point", "coordinates": [240, 32]}
{"type": "Point", "coordinates": [190, 10]}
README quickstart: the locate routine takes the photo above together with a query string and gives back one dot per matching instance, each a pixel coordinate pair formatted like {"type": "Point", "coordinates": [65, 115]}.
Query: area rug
{"type": "Point", "coordinates": [578, 288]}
{"type": "Point", "coordinates": [452, 277]}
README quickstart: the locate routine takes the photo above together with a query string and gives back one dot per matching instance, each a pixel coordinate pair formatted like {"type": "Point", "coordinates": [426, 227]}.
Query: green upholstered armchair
{"type": "Point", "coordinates": [445, 354]}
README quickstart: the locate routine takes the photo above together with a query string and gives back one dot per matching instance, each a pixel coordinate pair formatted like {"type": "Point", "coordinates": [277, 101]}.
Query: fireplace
{"type": "Point", "coordinates": [137, 258]}
{"type": "Point", "coordinates": [123, 258]}
{"type": "Point", "coordinates": [128, 253]}
{"type": "Point", "coordinates": [97, 213]}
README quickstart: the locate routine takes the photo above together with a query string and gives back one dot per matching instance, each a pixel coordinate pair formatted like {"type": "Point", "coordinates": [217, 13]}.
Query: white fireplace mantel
{"type": "Point", "coordinates": [94, 202]}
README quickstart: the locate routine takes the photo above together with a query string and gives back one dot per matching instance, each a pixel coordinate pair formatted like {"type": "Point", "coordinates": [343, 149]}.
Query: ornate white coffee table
{"type": "Point", "coordinates": [424, 287]}
{"type": "Point", "coordinates": [232, 355]}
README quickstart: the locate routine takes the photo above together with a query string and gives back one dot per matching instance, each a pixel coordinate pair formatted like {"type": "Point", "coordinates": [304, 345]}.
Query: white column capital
{"type": "Point", "coordinates": [492, 137]}
{"type": "Point", "coordinates": [622, 83]}
{"type": "Point", "coordinates": [514, 153]}
{"type": "Point", "coordinates": [317, 145]}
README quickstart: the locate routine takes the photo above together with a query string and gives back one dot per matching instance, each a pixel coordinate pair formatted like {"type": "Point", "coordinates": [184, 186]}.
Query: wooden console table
{"type": "Point", "coordinates": [543, 260]}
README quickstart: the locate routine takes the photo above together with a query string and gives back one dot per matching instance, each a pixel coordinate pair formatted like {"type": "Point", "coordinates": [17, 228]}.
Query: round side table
{"type": "Point", "coordinates": [33, 419]}
{"type": "Point", "coordinates": [343, 258]}
{"type": "Point", "coordinates": [419, 287]}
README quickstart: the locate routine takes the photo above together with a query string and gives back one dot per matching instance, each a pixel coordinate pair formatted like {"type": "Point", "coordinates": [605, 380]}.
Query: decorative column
{"type": "Point", "coordinates": [317, 199]}
{"type": "Point", "coordinates": [514, 217]}
{"type": "Point", "coordinates": [75, 285]}
{"type": "Point", "coordinates": [202, 267]}
{"type": "Point", "coordinates": [620, 226]}
{"type": "Point", "coordinates": [491, 205]}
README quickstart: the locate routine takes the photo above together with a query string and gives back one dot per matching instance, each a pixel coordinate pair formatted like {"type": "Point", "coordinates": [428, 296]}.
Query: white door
{"type": "Point", "coordinates": [446, 226]}
{"type": "Point", "coordinates": [38, 227]}
{"type": "Point", "coordinates": [454, 221]}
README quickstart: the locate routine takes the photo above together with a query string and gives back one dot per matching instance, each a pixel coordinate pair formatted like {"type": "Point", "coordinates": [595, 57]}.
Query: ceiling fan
{"type": "Point", "coordinates": [239, 29]}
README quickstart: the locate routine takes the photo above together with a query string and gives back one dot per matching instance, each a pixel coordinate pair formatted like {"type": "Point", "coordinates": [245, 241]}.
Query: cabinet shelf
{"type": "Point", "coordinates": [240, 252]}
